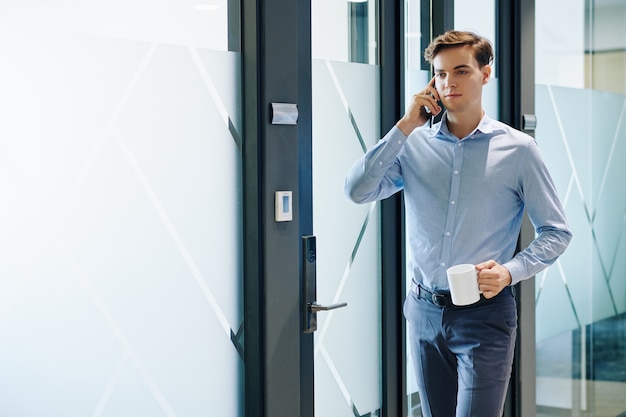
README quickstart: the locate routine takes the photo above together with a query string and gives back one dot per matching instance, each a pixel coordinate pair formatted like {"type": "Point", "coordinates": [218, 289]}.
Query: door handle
{"type": "Point", "coordinates": [318, 307]}
{"type": "Point", "coordinates": [309, 287]}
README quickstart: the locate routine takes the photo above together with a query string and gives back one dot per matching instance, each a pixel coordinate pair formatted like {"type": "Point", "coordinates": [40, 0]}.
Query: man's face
{"type": "Point", "coordinates": [459, 80]}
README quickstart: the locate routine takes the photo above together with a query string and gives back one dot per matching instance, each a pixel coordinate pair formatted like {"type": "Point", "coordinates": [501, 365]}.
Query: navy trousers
{"type": "Point", "coordinates": [462, 355]}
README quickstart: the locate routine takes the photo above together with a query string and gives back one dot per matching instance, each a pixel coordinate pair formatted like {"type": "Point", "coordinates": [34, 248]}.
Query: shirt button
{"type": "Point", "coordinates": [448, 233]}
{"type": "Point", "coordinates": [443, 264]}
{"type": "Point", "coordinates": [453, 202]}
{"type": "Point", "coordinates": [380, 162]}
{"type": "Point", "coordinates": [459, 144]}
{"type": "Point", "coordinates": [456, 172]}
{"type": "Point", "coordinates": [399, 142]}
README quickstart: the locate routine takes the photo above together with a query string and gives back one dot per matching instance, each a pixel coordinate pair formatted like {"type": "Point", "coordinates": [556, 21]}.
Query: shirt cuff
{"type": "Point", "coordinates": [516, 269]}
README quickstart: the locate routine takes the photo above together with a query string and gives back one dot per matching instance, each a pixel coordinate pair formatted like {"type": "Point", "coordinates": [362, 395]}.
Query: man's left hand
{"type": "Point", "coordinates": [492, 278]}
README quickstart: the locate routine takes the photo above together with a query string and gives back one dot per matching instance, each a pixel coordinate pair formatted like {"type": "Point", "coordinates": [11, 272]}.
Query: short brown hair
{"type": "Point", "coordinates": [483, 51]}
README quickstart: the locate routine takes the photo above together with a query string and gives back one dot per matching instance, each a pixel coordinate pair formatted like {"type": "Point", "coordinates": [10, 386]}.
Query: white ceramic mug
{"type": "Point", "coordinates": [463, 282]}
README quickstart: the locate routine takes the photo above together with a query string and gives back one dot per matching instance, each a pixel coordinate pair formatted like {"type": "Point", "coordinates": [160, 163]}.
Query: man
{"type": "Point", "coordinates": [466, 182]}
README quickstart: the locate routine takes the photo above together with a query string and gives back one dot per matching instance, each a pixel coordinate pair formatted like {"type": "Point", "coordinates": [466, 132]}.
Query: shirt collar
{"type": "Point", "coordinates": [484, 126]}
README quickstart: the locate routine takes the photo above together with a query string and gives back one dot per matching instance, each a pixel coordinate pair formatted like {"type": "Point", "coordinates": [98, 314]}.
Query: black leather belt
{"type": "Point", "coordinates": [438, 299]}
{"type": "Point", "coordinates": [443, 299]}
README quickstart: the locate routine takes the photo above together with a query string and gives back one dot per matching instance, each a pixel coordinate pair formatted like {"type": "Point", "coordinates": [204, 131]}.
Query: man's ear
{"type": "Point", "coordinates": [486, 73]}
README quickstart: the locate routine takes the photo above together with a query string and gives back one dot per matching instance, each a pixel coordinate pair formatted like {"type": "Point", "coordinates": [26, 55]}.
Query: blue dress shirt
{"type": "Point", "coordinates": [464, 199]}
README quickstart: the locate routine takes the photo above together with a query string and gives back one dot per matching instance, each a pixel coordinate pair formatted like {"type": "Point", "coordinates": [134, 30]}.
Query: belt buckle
{"type": "Point", "coordinates": [439, 300]}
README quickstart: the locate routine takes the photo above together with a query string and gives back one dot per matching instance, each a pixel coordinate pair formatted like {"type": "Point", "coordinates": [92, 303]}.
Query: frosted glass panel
{"type": "Point", "coordinates": [560, 43]}
{"type": "Point", "coordinates": [581, 300]}
{"type": "Point", "coordinates": [585, 156]}
{"type": "Point", "coordinates": [347, 343]}
{"type": "Point", "coordinates": [120, 280]}
{"type": "Point", "coordinates": [580, 348]}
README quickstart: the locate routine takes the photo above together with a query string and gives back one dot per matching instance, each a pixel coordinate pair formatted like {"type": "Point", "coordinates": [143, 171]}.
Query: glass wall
{"type": "Point", "coordinates": [581, 300]}
{"type": "Point", "coordinates": [346, 121]}
{"type": "Point", "coordinates": [120, 276]}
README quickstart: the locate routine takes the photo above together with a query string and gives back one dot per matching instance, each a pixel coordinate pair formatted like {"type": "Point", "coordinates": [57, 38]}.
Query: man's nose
{"type": "Point", "coordinates": [450, 81]}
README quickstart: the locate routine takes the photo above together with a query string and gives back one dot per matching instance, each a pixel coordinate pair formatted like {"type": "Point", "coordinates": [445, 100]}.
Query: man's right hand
{"type": "Point", "coordinates": [417, 115]}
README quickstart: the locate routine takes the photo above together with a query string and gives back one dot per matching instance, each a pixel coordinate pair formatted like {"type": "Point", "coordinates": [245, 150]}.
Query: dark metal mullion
{"type": "Point", "coordinates": [392, 292]}
{"type": "Point", "coordinates": [507, 56]}
{"type": "Point", "coordinates": [442, 15]}
{"type": "Point", "coordinates": [508, 109]}
{"type": "Point", "coordinates": [516, 59]}
{"type": "Point", "coordinates": [527, 361]}
{"type": "Point", "coordinates": [392, 237]}
{"type": "Point", "coordinates": [253, 296]}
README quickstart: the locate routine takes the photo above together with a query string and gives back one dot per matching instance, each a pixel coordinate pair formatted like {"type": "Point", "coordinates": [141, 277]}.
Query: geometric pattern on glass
{"type": "Point", "coordinates": [120, 284]}
{"type": "Point", "coordinates": [585, 156]}
{"type": "Point", "coordinates": [347, 344]}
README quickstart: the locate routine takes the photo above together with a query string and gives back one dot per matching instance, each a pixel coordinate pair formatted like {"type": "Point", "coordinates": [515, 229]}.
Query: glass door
{"type": "Point", "coordinates": [346, 121]}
